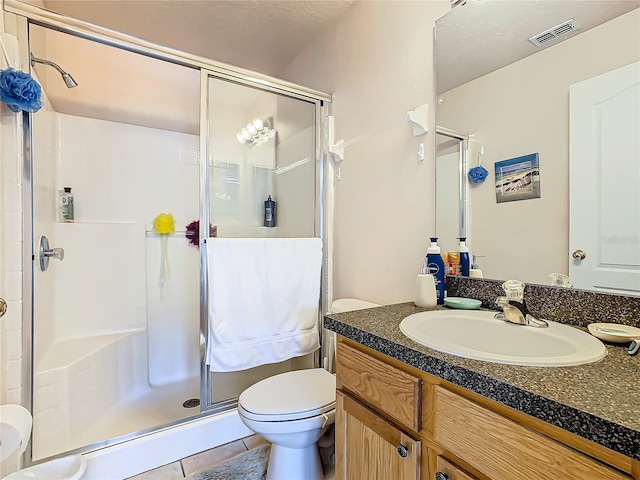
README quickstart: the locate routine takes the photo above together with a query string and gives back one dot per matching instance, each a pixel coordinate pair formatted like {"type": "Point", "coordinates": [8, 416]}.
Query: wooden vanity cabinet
{"type": "Point", "coordinates": [396, 422]}
{"type": "Point", "coordinates": [446, 470]}
{"type": "Point", "coordinates": [370, 447]}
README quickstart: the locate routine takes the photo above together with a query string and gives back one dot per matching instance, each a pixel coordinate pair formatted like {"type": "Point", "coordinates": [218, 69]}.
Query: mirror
{"type": "Point", "coordinates": [451, 197]}
{"type": "Point", "coordinates": [512, 98]}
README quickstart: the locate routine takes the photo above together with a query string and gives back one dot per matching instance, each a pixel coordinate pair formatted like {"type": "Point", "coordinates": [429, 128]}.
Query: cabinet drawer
{"type": "Point", "coordinates": [392, 391]}
{"type": "Point", "coordinates": [505, 450]}
{"type": "Point", "coordinates": [450, 471]}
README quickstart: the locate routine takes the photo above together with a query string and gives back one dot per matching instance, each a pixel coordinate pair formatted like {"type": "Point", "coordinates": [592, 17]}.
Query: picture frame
{"type": "Point", "coordinates": [518, 178]}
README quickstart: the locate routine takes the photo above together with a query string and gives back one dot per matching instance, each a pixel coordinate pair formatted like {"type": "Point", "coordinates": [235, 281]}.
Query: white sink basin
{"type": "Point", "coordinates": [476, 334]}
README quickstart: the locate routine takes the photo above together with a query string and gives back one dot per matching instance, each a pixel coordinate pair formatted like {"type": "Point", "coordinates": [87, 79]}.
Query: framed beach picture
{"type": "Point", "coordinates": [518, 178]}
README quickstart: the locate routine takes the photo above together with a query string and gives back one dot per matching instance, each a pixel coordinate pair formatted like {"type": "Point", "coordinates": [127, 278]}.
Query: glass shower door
{"type": "Point", "coordinates": [261, 145]}
{"type": "Point", "coordinates": [115, 350]}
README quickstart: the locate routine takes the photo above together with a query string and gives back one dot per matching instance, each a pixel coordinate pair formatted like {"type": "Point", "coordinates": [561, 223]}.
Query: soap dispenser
{"type": "Point", "coordinates": [435, 266]}
{"type": "Point", "coordinates": [474, 271]}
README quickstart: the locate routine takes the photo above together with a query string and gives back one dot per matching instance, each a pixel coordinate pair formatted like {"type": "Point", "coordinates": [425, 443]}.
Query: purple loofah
{"type": "Point", "coordinates": [478, 174]}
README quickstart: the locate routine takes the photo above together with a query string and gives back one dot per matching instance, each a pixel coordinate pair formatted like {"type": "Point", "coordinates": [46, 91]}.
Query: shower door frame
{"type": "Point", "coordinates": [205, 214]}
{"type": "Point", "coordinates": [27, 14]}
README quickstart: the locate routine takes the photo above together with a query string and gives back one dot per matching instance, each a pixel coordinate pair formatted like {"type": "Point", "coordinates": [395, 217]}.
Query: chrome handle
{"type": "Point", "coordinates": [3, 307]}
{"type": "Point", "coordinates": [45, 253]}
{"type": "Point", "coordinates": [441, 476]}
{"type": "Point", "coordinates": [57, 253]}
{"type": "Point", "coordinates": [402, 450]}
{"type": "Point", "coordinates": [502, 302]}
{"type": "Point", "coordinates": [579, 255]}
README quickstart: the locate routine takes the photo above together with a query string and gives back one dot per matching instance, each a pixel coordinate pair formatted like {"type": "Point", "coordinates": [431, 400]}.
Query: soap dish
{"type": "Point", "coordinates": [462, 303]}
{"type": "Point", "coordinates": [614, 332]}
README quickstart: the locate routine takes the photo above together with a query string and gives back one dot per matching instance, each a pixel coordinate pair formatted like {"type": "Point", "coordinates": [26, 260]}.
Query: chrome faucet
{"type": "Point", "coordinates": [514, 308]}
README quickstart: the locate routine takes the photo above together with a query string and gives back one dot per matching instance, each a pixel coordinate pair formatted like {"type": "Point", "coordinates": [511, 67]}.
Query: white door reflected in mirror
{"type": "Point", "coordinates": [605, 160]}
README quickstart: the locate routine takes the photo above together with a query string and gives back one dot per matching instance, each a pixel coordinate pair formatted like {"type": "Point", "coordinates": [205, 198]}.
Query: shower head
{"type": "Point", "coordinates": [68, 79]}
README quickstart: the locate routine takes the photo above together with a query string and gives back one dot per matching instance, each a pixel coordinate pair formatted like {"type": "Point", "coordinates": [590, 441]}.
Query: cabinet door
{"type": "Point", "coordinates": [368, 446]}
{"type": "Point", "coordinates": [448, 471]}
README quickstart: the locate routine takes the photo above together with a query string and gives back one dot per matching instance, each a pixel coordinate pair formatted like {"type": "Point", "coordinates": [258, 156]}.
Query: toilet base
{"type": "Point", "coordinates": [287, 463]}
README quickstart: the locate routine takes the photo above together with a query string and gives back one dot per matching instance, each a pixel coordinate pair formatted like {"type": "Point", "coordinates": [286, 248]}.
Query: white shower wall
{"type": "Point", "coordinates": [105, 329]}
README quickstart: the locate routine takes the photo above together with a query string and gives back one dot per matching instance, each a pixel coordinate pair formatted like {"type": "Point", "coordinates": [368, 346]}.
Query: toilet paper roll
{"type": "Point", "coordinates": [19, 418]}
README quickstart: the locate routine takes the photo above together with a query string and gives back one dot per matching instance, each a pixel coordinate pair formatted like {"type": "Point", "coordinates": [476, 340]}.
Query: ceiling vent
{"type": "Point", "coordinates": [555, 32]}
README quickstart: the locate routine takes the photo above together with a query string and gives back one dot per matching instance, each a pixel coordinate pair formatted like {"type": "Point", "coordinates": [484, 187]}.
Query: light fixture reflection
{"type": "Point", "coordinates": [257, 132]}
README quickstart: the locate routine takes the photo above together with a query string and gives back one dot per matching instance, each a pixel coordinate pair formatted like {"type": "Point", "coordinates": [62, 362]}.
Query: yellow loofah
{"type": "Point", "coordinates": [164, 224]}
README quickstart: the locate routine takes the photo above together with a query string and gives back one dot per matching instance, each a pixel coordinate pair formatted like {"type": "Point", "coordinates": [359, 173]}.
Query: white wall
{"type": "Point", "coordinates": [378, 64]}
{"type": "Point", "coordinates": [123, 176]}
{"type": "Point", "coordinates": [522, 109]}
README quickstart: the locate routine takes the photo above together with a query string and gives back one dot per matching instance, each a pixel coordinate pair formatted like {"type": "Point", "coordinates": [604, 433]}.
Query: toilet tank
{"type": "Point", "coordinates": [350, 304]}
{"type": "Point", "coordinates": [339, 306]}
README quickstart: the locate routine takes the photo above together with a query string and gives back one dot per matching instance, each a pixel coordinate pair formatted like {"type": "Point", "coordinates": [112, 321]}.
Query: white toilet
{"type": "Point", "coordinates": [292, 410]}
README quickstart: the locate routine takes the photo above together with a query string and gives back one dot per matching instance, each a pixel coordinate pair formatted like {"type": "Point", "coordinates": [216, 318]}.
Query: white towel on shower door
{"type": "Point", "coordinates": [263, 300]}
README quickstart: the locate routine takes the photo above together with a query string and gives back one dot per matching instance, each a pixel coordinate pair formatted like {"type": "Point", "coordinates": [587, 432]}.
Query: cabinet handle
{"type": "Point", "coordinates": [402, 451]}
{"type": "Point", "coordinates": [441, 476]}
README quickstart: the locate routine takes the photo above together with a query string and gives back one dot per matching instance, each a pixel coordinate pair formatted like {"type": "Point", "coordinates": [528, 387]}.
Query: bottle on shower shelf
{"type": "Point", "coordinates": [269, 212]}
{"type": "Point", "coordinates": [65, 205]}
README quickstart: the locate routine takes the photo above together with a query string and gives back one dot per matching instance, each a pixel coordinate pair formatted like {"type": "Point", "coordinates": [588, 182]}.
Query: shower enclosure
{"type": "Point", "coordinates": [118, 325]}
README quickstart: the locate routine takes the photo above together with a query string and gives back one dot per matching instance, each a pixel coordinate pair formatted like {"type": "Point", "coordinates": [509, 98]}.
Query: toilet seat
{"type": "Point", "coordinates": [289, 396]}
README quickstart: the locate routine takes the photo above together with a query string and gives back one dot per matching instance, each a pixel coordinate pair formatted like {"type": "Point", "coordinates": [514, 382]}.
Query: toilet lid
{"type": "Point", "coordinates": [291, 395]}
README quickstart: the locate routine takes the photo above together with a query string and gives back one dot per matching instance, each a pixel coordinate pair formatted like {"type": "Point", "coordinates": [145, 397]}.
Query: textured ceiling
{"type": "Point", "coordinates": [482, 36]}
{"type": "Point", "coordinates": [261, 35]}
{"type": "Point", "coordinates": [120, 86]}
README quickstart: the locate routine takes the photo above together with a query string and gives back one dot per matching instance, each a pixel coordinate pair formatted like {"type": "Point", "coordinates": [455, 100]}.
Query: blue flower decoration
{"type": "Point", "coordinates": [478, 174]}
{"type": "Point", "coordinates": [19, 91]}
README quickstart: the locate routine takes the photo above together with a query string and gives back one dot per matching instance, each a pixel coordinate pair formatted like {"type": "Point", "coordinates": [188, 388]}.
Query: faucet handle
{"type": "Point", "coordinates": [514, 290]}
{"type": "Point", "coordinates": [502, 302]}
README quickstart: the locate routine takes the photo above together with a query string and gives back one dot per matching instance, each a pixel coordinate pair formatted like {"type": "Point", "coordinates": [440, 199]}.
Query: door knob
{"type": "Point", "coordinates": [3, 307]}
{"type": "Point", "coordinates": [45, 253]}
{"type": "Point", "coordinates": [579, 255]}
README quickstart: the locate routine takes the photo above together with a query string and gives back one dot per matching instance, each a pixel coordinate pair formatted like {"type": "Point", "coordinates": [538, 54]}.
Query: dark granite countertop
{"type": "Point", "coordinates": [598, 401]}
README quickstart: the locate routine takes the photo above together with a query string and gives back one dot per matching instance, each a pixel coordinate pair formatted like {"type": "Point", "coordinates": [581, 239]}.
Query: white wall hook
{"type": "Point", "coordinates": [337, 151]}
{"type": "Point", "coordinates": [421, 152]}
{"type": "Point", "coordinates": [419, 119]}
{"type": "Point", "coordinates": [334, 148]}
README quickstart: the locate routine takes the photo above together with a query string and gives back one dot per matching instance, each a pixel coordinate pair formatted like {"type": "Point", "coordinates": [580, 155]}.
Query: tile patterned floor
{"type": "Point", "coordinates": [179, 470]}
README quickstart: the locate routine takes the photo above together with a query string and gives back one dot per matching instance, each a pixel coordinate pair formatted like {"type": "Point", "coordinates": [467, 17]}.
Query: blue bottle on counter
{"type": "Point", "coordinates": [464, 257]}
{"type": "Point", "coordinates": [435, 267]}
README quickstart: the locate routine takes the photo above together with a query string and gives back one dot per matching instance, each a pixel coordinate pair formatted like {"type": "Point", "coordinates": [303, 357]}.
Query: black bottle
{"type": "Point", "coordinates": [269, 212]}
